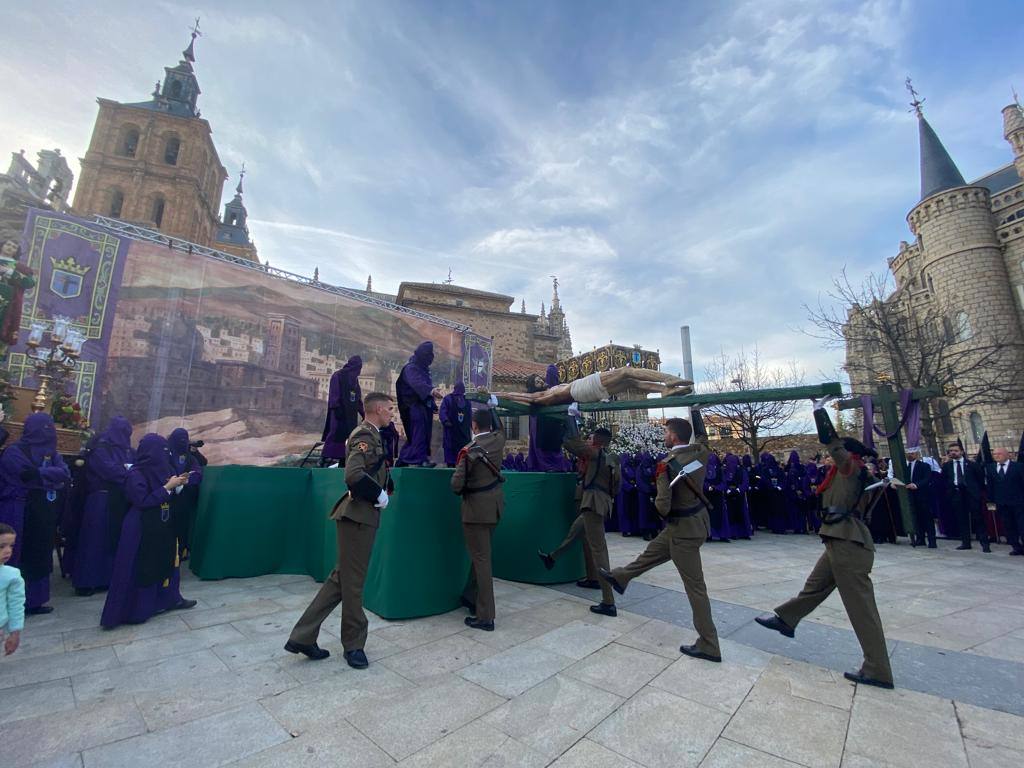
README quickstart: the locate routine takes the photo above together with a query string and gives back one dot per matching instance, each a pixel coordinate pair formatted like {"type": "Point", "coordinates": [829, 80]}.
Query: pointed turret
{"type": "Point", "coordinates": [233, 231]}
{"type": "Point", "coordinates": [522, 307]}
{"type": "Point", "coordinates": [938, 171]}
{"type": "Point", "coordinates": [369, 283]}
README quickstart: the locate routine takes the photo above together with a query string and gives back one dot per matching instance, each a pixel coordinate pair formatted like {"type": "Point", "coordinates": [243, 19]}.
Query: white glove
{"type": "Point", "coordinates": [824, 402]}
{"type": "Point", "coordinates": [382, 500]}
{"type": "Point", "coordinates": [179, 489]}
{"type": "Point", "coordinates": [574, 409]}
{"type": "Point", "coordinates": [492, 401]}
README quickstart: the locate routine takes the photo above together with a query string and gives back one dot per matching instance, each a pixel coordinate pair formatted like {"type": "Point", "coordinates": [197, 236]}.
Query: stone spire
{"type": "Point", "coordinates": [316, 274]}
{"type": "Point", "coordinates": [369, 283]}
{"type": "Point", "coordinates": [522, 307]}
{"type": "Point", "coordinates": [938, 171]}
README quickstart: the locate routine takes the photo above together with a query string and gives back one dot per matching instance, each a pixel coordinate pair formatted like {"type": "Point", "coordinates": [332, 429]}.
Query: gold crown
{"type": "Point", "coordinates": [69, 265]}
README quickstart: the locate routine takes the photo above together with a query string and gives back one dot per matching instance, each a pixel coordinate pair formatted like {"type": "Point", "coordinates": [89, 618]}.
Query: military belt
{"type": "Point", "coordinates": [677, 514]}
{"type": "Point", "coordinates": [467, 491]}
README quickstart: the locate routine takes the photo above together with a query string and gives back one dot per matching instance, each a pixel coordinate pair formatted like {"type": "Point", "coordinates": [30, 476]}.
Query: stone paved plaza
{"type": "Point", "coordinates": [554, 685]}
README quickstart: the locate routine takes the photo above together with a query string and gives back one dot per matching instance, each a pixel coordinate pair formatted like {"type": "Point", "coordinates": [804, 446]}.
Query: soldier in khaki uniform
{"type": "Point", "coordinates": [848, 557]}
{"type": "Point", "coordinates": [598, 484]}
{"type": "Point", "coordinates": [477, 479]}
{"type": "Point", "coordinates": [357, 515]}
{"type": "Point", "coordinates": [688, 527]}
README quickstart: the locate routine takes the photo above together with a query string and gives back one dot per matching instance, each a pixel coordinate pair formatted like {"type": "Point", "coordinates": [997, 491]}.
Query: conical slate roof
{"type": "Point", "coordinates": [938, 171]}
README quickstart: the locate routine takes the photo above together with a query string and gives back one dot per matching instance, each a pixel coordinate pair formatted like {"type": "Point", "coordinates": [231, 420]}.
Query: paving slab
{"type": "Point", "coordinates": [590, 754]}
{"type": "Point", "coordinates": [47, 738]}
{"type": "Point", "coordinates": [729, 754]}
{"type": "Point", "coordinates": [719, 686]}
{"type": "Point", "coordinates": [554, 715]}
{"type": "Point", "coordinates": [97, 637]}
{"type": "Point", "coordinates": [618, 669]}
{"type": "Point", "coordinates": [577, 639]}
{"type": "Point", "coordinates": [659, 730]}
{"type": "Point", "coordinates": [36, 699]}
{"type": "Point", "coordinates": [174, 672]}
{"type": "Point", "coordinates": [439, 657]}
{"type": "Point", "coordinates": [658, 637]}
{"type": "Point", "coordinates": [405, 722]}
{"type": "Point", "coordinates": [162, 646]}
{"type": "Point", "coordinates": [336, 744]}
{"type": "Point", "coordinates": [42, 669]}
{"type": "Point", "coordinates": [510, 673]}
{"type": "Point", "coordinates": [476, 744]}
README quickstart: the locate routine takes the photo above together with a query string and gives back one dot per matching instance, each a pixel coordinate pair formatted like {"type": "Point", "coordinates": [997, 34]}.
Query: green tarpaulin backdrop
{"type": "Point", "coordinates": [257, 520]}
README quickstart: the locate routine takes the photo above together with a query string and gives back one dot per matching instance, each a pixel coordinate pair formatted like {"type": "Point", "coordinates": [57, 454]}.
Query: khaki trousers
{"type": "Point", "coordinates": [846, 565]}
{"type": "Point", "coordinates": [685, 554]}
{"type": "Point", "coordinates": [345, 586]}
{"type": "Point", "coordinates": [479, 586]}
{"type": "Point", "coordinates": [591, 524]}
{"type": "Point", "coordinates": [576, 532]}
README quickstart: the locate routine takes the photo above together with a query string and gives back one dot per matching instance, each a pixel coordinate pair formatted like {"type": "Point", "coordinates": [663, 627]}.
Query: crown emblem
{"type": "Point", "coordinates": [69, 265]}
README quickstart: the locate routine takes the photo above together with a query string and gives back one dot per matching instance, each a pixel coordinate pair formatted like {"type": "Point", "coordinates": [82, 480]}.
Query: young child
{"type": "Point", "coordinates": [12, 594]}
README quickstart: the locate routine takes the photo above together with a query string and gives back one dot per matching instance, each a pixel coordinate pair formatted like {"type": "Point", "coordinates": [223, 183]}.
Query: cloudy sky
{"type": "Point", "coordinates": [707, 163]}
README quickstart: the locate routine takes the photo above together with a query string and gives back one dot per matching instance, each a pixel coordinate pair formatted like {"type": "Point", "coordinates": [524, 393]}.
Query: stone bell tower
{"type": "Point", "coordinates": [154, 163]}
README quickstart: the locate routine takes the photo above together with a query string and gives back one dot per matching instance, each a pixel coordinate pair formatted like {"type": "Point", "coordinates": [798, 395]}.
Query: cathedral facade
{"type": "Point", "coordinates": [963, 274]}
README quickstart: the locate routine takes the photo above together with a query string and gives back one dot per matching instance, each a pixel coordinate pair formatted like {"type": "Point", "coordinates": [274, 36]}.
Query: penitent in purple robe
{"type": "Point", "coordinates": [796, 489]}
{"type": "Point", "coordinates": [105, 506]}
{"type": "Point", "coordinates": [772, 510]}
{"type": "Point", "coordinates": [546, 437]}
{"type": "Point", "coordinates": [31, 474]}
{"type": "Point", "coordinates": [735, 484]}
{"type": "Point", "coordinates": [416, 406]}
{"type": "Point", "coordinates": [145, 578]}
{"type": "Point", "coordinates": [720, 528]}
{"type": "Point", "coordinates": [648, 519]}
{"type": "Point", "coordinates": [456, 415]}
{"type": "Point", "coordinates": [344, 409]}
{"type": "Point", "coordinates": [184, 502]}
{"type": "Point", "coordinates": [626, 502]}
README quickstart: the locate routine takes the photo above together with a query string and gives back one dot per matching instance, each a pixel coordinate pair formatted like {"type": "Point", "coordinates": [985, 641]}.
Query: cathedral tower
{"type": "Point", "coordinates": [154, 162]}
{"type": "Point", "coordinates": [233, 232]}
{"type": "Point", "coordinates": [1013, 131]}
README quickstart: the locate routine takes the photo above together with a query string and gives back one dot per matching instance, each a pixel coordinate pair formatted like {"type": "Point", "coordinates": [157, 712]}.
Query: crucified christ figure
{"type": "Point", "coordinates": [599, 386]}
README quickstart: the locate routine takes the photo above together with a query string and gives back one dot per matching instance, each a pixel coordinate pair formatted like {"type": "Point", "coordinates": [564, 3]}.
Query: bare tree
{"type": "Point", "coordinates": [753, 421]}
{"type": "Point", "coordinates": [907, 336]}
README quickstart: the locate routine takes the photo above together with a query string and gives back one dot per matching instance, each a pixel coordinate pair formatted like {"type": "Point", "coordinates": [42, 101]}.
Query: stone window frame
{"type": "Point", "coordinates": [124, 147]}
{"type": "Point", "coordinates": [171, 148]}
{"type": "Point", "coordinates": [962, 327]}
{"type": "Point", "coordinates": [158, 209]}
{"type": "Point", "coordinates": [116, 196]}
{"type": "Point", "coordinates": [977, 425]}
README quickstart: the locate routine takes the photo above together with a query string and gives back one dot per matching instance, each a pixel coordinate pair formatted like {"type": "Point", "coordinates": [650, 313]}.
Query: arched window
{"type": "Point", "coordinates": [172, 146]}
{"type": "Point", "coordinates": [977, 426]}
{"type": "Point", "coordinates": [962, 327]}
{"type": "Point", "coordinates": [176, 89]}
{"type": "Point", "coordinates": [116, 203]}
{"type": "Point", "coordinates": [128, 141]}
{"type": "Point", "coordinates": [158, 210]}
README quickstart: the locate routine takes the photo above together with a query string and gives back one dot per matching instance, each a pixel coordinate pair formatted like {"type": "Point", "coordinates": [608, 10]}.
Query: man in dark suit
{"type": "Point", "coordinates": [964, 484]}
{"type": "Point", "coordinates": [919, 476]}
{"type": "Point", "coordinates": [1004, 480]}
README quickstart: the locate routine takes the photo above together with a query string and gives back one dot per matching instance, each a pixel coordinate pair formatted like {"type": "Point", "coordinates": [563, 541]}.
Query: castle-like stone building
{"type": "Point", "coordinates": [154, 163]}
{"type": "Point", "coordinates": [964, 269]}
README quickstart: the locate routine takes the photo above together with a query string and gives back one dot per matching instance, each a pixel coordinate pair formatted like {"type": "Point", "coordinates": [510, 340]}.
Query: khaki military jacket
{"type": "Point", "coordinates": [472, 472]}
{"type": "Point", "coordinates": [678, 497]}
{"type": "Point", "coordinates": [364, 454]}
{"type": "Point", "coordinates": [846, 492]}
{"type": "Point", "coordinates": [598, 476]}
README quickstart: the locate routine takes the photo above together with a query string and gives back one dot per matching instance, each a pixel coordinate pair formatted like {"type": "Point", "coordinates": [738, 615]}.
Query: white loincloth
{"type": "Point", "coordinates": [589, 389]}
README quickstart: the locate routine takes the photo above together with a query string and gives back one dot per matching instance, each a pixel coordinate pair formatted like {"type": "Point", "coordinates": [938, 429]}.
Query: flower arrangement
{"type": "Point", "coordinates": [67, 413]}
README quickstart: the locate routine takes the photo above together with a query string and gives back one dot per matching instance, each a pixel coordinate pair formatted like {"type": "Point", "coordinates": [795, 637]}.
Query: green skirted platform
{"type": "Point", "coordinates": [254, 520]}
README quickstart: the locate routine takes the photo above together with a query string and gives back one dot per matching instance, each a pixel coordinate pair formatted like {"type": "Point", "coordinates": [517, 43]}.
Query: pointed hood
{"type": "Point", "coordinates": [938, 171]}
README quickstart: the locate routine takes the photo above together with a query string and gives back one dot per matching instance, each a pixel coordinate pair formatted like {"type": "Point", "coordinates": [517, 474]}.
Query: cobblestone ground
{"type": "Point", "coordinates": [554, 685]}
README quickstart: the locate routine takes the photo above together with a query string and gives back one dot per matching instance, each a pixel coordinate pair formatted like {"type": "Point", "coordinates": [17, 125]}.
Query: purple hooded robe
{"type": "Point", "coordinates": [416, 405]}
{"type": "Point", "coordinates": [344, 409]}
{"type": "Point", "coordinates": [31, 473]}
{"type": "Point", "coordinates": [797, 489]}
{"type": "Point", "coordinates": [735, 484]}
{"type": "Point", "coordinates": [626, 503]}
{"type": "Point", "coordinates": [185, 502]}
{"type": "Point", "coordinates": [105, 505]}
{"type": "Point", "coordinates": [456, 415]}
{"type": "Point", "coordinates": [145, 578]}
{"type": "Point", "coordinates": [720, 528]}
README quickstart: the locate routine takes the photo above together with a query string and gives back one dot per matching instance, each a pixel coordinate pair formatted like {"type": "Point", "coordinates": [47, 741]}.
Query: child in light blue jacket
{"type": "Point", "coordinates": [12, 594]}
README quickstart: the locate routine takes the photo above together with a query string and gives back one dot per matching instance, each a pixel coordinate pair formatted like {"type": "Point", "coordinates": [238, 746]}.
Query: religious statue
{"type": "Point", "coordinates": [598, 386]}
{"type": "Point", "coordinates": [15, 277]}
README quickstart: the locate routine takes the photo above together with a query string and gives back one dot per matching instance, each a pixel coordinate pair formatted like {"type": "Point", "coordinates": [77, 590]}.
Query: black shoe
{"type": "Point", "coordinates": [184, 605]}
{"type": "Point", "coordinates": [963, 547]}
{"type": "Point", "coordinates": [548, 560]}
{"type": "Point", "coordinates": [604, 609]}
{"type": "Point", "coordinates": [986, 549]}
{"type": "Point", "coordinates": [691, 651]}
{"type": "Point", "coordinates": [356, 659]}
{"type": "Point", "coordinates": [314, 651]}
{"type": "Point", "coordinates": [933, 546]}
{"type": "Point", "coordinates": [469, 605]}
{"type": "Point", "coordinates": [39, 610]}
{"type": "Point", "coordinates": [612, 581]}
{"type": "Point", "coordinates": [857, 677]}
{"type": "Point", "coordinates": [475, 623]}
{"type": "Point", "coordinates": [85, 591]}
{"type": "Point", "coordinates": [774, 622]}
{"type": "Point", "coordinates": [588, 584]}
{"type": "Point", "coordinates": [1016, 552]}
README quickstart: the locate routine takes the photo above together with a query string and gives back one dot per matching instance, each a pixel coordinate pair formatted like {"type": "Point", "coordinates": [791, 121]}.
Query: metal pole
{"type": "Point", "coordinates": [684, 333]}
